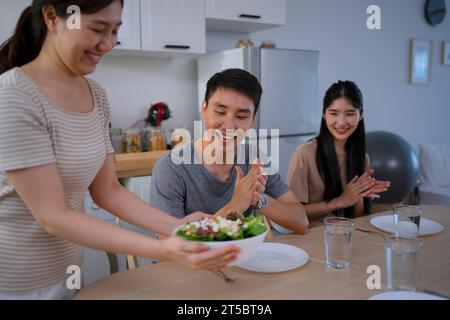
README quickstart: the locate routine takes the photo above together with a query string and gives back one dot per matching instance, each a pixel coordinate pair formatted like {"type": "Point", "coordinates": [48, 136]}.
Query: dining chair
{"type": "Point", "coordinates": [132, 262]}
{"type": "Point", "coordinates": [269, 228]}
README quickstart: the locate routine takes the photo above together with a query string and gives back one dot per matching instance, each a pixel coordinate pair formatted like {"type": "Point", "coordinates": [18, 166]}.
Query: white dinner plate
{"type": "Point", "coordinates": [386, 223]}
{"type": "Point", "coordinates": [275, 257]}
{"type": "Point", "coordinates": [405, 295]}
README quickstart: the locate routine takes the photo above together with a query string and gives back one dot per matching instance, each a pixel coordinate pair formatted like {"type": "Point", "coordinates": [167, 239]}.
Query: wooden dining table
{"type": "Point", "coordinates": [314, 280]}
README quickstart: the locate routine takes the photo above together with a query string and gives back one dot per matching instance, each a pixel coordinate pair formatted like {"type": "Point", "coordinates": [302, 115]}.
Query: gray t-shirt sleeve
{"type": "Point", "coordinates": [275, 186]}
{"type": "Point", "coordinates": [168, 189]}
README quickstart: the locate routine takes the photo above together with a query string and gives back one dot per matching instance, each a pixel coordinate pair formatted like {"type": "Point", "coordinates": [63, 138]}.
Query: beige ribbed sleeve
{"type": "Point", "coordinates": [25, 141]}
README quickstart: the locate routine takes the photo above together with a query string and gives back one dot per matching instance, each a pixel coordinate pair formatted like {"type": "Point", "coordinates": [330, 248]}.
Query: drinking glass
{"type": "Point", "coordinates": [338, 242]}
{"type": "Point", "coordinates": [406, 220]}
{"type": "Point", "coordinates": [401, 262]}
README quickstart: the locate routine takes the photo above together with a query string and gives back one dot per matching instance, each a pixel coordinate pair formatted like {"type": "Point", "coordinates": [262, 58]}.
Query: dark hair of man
{"type": "Point", "coordinates": [236, 79]}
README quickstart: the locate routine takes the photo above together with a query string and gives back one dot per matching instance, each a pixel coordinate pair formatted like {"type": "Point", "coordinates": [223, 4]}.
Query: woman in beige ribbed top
{"type": "Point", "coordinates": [342, 141]}
{"type": "Point", "coordinates": [55, 145]}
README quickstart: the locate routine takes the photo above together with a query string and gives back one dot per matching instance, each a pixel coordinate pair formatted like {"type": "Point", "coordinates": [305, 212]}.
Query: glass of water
{"type": "Point", "coordinates": [338, 242]}
{"type": "Point", "coordinates": [406, 220]}
{"type": "Point", "coordinates": [401, 262]}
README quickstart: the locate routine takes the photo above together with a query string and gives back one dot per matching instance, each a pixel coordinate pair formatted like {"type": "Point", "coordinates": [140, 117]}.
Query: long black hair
{"type": "Point", "coordinates": [355, 146]}
{"type": "Point", "coordinates": [26, 43]}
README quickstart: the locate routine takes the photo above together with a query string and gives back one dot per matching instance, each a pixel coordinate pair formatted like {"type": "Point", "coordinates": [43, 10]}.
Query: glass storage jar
{"type": "Point", "coordinates": [132, 141]}
{"type": "Point", "coordinates": [117, 139]}
{"type": "Point", "coordinates": [156, 140]}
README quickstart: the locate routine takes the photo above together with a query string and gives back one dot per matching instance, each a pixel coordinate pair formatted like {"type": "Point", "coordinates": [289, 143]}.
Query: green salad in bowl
{"type": "Point", "coordinates": [234, 227]}
{"type": "Point", "coordinates": [247, 233]}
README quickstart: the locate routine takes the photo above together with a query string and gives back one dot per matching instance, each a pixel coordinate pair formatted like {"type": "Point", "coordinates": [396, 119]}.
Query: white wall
{"type": "Point", "coordinates": [377, 60]}
{"type": "Point", "coordinates": [133, 83]}
{"type": "Point", "coordinates": [10, 11]}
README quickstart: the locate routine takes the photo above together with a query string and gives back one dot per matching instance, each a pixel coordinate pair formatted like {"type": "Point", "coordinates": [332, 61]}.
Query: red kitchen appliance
{"type": "Point", "coordinates": [157, 113]}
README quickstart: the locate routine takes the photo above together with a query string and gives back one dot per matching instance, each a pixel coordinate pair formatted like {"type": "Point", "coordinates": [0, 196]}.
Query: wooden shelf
{"type": "Point", "coordinates": [136, 164]}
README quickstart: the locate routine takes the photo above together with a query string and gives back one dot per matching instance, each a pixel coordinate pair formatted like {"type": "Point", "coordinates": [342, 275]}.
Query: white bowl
{"type": "Point", "coordinates": [248, 246]}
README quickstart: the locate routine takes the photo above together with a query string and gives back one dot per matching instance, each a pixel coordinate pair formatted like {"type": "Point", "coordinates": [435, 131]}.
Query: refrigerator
{"type": "Point", "coordinates": [290, 100]}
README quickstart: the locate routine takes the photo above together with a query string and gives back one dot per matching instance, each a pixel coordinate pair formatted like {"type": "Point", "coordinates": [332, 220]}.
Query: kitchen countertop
{"type": "Point", "coordinates": [136, 164]}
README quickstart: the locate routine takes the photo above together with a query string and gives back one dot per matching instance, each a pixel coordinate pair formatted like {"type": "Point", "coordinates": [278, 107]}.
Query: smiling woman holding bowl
{"type": "Point", "coordinates": [55, 145]}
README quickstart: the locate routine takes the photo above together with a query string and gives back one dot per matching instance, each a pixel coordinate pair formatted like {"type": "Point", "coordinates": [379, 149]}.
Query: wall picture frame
{"type": "Point", "coordinates": [446, 53]}
{"type": "Point", "coordinates": [420, 61]}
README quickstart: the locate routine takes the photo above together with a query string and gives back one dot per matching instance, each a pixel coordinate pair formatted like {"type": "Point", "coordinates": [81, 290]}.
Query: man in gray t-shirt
{"type": "Point", "coordinates": [221, 187]}
{"type": "Point", "coordinates": [181, 189]}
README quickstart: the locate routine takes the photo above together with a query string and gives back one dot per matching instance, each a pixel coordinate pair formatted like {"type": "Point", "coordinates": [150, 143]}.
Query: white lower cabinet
{"type": "Point", "coordinates": [141, 187]}
{"type": "Point", "coordinates": [96, 263]}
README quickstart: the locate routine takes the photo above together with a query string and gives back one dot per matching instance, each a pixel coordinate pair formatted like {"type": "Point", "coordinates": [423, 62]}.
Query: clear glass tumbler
{"type": "Point", "coordinates": [401, 262]}
{"type": "Point", "coordinates": [338, 242]}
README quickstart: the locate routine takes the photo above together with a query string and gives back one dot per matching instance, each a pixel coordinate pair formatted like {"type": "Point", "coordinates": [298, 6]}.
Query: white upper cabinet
{"type": "Point", "coordinates": [245, 15]}
{"type": "Point", "coordinates": [173, 26]}
{"type": "Point", "coordinates": [130, 31]}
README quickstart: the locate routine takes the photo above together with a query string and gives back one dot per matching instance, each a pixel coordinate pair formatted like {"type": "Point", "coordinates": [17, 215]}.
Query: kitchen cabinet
{"type": "Point", "coordinates": [130, 32]}
{"type": "Point", "coordinates": [140, 186]}
{"type": "Point", "coordinates": [245, 15]}
{"type": "Point", "coordinates": [163, 27]}
{"type": "Point", "coordinates": [173, 25]}
{"type": "Point", "coordinates": [96, 263]}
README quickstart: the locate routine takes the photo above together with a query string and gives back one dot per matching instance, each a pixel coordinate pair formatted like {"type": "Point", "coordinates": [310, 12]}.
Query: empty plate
{"type": "Point", "coordinates": [405, 295]}
{"type": "Point", "coordinates": [275, 257]}
{"type": "Point", "coordinates": [386, 223]}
